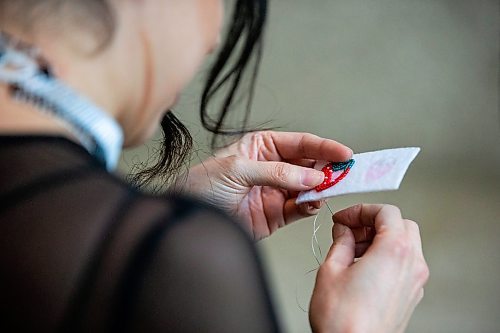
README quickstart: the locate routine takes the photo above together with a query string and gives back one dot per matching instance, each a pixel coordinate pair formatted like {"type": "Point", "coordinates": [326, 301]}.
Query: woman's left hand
{"type": "Point", "coordinates": [258, 177]}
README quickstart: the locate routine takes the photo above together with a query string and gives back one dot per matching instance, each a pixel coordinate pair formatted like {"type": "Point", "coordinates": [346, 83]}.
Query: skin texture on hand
{"type": "Point", "coordinates": [258, 178]}
{"type": "Point", "coordinates": [379, 292]}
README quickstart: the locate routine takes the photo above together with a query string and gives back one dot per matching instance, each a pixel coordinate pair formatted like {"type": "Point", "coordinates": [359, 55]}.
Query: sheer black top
{"type": "Point", "coordinates": [82, 251]}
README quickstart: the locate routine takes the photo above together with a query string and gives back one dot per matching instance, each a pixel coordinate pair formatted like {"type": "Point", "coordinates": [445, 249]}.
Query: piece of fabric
{"type": "Point", "coordinates": [82, 251]}
{"type": "Point", "coordinates": [371, 172]}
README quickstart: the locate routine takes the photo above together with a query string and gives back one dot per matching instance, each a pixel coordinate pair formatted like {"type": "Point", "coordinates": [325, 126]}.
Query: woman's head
{"type": "Point", "coordinates": [174, 38]}
{"type": "Point", "coordinates": [152, 48]}
{"type": "Point", "coordinates": [134, 57]}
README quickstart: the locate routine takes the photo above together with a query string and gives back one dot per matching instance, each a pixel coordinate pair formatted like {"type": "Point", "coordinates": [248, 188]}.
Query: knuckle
{"type": "Point", "coordinates": [260, 136]}
{"type": "Point", "coordinates": [418, 296]}
{"type": "Point", "coordinates": [413, 225]}
{"type": "Point", "coordinates": [327, 269]}
{"type": "Point", "coordinates": [355, 212]}
{"type": "Point", "coordinates": [393, 208]}
{"type": "Point", "coordinates": [423, 273]}
{"type": "Point", "coordinates": [281, 172]}
{"type": "Point", "coordinates": [302, 146]}
{"type": "Point", "coordinates": [256, 136]}
{"type": "Point", "coordinates": [252, 138]}
{"type": "Point", "coordinates": [232, 163]}
{"type": "Point", "coordinates": [400, 247]}
{"type": "Point", "coordinates": [421, 295]}
{"type": "Point", "coordinates": [383, 229]}
{"type": "Point", "coordinates": [305, 139]}
{"type": "Point", "coordinates": [358, 207]}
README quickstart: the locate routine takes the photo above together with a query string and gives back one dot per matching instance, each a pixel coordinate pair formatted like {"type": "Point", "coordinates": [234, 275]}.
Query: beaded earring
{"type": "Point", "coordinates": [31, 81]}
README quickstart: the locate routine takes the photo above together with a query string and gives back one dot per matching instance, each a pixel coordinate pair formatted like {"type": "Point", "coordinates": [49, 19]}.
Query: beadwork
{"type": "Point", "coordinates": [30, 80]}
{"type": "Point", "coordinates": [329, 170]}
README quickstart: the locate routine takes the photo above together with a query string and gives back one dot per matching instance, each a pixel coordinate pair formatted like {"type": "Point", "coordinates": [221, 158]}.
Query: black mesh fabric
{"type": "Point", "coordinates": [82, 251]}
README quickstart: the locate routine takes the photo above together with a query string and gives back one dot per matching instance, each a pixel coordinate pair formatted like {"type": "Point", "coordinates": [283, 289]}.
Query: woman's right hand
{"type": "Point", "coordinates": [379, 292]}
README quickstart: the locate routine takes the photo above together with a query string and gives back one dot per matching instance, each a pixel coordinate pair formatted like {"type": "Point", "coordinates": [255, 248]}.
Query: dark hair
{"type": "Point", "coordinates": [243, 45]}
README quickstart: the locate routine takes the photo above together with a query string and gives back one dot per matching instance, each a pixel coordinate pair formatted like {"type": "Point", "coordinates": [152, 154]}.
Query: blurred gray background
{"type": "Point", "coordinates": [377, 74]}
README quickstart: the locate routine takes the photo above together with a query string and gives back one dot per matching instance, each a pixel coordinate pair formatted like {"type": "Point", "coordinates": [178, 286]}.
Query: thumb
{"type": "Point", "coordinates": [282, 175]}
{"type": "Point", "coordinates": [341, 254]}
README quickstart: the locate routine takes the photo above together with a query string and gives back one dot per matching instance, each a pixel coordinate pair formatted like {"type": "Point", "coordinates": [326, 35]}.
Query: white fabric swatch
{"type": "Point", "coordinates": [372, 172]}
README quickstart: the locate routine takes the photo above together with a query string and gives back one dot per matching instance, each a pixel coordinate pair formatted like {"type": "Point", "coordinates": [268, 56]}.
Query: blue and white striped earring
{"type": "Point", "coordinates": [32, 82]}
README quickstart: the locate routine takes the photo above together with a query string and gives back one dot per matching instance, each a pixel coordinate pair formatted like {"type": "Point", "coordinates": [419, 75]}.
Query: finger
{"type": "Point", "coordinates": [381, 217]}
{"type": "Point", "coordinates": [280, 175]}
{"type": "Point", "coordinates": [272, 207]}
{"type": "Point", "coordinates": [309, 146]}
{"type": "Point", "coordinates": [317, 204]}
{"type": "Point", "coordinates": [363, 234]}
{"type": "Point", "coordinates": [414, 234]}
{"type": "Point", "coordinates": [293, 212]}
{"type": "Point", "coordinates": [363, 238]}
{"type": "Point", "coordinates": [341, 254]}
{"type": "Point", "coordinates": [305, 162]}
{"type": "Point", "coordinates": [361, 249]}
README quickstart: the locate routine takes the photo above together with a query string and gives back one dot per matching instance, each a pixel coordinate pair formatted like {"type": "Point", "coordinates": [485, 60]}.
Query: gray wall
{"type": "Point", "coordinates": [389, 73]}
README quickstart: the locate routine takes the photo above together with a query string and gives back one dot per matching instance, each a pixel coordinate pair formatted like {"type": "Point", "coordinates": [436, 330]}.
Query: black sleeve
{"type": "Point", "coordinates": [194, 272]}
{"type": "Point", "coordinates": [81, 251]}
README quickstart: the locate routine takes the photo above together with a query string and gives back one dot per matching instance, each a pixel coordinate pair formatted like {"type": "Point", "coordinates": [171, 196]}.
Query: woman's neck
{"type": "Point", "coordinates": [18, 118]}
{"type": "Point", "coordinates": [96, 77]}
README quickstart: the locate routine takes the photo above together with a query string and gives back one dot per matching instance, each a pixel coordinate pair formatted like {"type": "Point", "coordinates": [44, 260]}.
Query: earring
{"type": "Point", "coordinates": [31, 81]}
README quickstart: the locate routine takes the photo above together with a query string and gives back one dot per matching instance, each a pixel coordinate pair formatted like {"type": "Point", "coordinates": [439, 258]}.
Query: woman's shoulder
{"type": "Point", "coordinates": [92, 234]}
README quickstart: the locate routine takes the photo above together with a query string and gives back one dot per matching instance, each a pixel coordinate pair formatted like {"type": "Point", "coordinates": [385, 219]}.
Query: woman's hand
{"type": "Point", "coordinates": [258, 178]}
{"type": "Point", "coordinates": [379, 292]}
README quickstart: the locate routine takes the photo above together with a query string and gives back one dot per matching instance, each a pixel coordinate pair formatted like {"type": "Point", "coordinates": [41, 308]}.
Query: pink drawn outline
{"type": "Point", "coordinates": [379, 169]}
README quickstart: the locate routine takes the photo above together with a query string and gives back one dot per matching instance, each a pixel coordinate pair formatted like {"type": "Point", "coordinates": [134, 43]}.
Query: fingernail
{"type": "Point", "coordinates": [311, 209]}
{"type": "Point", "coordinates": [312, 178]}
{"type": "Point", "coordinates": [351, 152]}
{"type": "Point", "coordinates": [316, 204]}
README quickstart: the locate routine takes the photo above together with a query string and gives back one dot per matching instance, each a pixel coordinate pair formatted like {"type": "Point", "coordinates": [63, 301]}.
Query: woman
{"type": "Point", "coordinates": [80, 250]}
